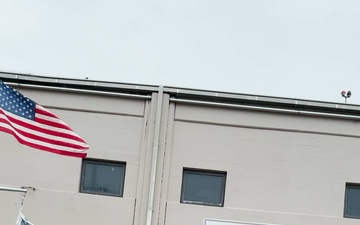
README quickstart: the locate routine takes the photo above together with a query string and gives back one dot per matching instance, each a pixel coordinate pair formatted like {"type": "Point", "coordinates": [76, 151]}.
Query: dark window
{"type": "Point", "coordinates": [352, 201]}
{"type": "Point", "coordinates": [203, 187]}
{"type": "Point", "coordinates": [102, 177]}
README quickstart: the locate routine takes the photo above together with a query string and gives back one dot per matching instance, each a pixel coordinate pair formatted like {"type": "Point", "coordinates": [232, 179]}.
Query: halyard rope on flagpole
{"type": "Point", "coordinates": [22, 190]}
{"type": "Point", "coordinates": [22, 200]}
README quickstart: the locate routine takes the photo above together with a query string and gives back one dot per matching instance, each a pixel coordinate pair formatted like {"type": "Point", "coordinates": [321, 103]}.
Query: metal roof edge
{"type": "Point", "coordinates": [93, 85]}
{"type": "Point", "coordinates": [184, 93]}
{"type": "Point", "coordinates": [264, 101]}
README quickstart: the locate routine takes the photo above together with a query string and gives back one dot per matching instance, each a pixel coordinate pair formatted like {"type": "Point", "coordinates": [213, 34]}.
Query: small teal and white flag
{"type": "Point", "coordinates": [21, 220]}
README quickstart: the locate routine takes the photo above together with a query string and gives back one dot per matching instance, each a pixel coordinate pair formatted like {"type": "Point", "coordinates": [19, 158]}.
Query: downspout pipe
{"type": "Point", "coordinates": [155, 150]}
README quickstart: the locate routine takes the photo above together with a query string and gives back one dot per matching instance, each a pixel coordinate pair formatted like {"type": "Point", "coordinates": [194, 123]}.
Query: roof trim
{"type": "Point", "coordinates": [196, 95]}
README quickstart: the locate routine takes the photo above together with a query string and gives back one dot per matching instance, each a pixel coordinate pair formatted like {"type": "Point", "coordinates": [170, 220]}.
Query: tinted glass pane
{"type": "Point", "coordinates": [105, 178]}
{"type": "Point", "coordinates": [203, 188]}
{"type": "Point", "coordinates": [352, 208]}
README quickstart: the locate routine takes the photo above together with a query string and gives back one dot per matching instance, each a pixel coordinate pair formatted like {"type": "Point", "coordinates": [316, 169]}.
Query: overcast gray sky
{"type": "Point", "coordinates": [307, 49]}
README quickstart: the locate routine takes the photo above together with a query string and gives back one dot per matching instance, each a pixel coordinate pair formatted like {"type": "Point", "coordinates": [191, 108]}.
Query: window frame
{"type": "Point", "coordinates": [350, 185]}
{"type": "Point", "coordinates": [207, 172]}
{"type": "Point", "coordinates": [102, 162]}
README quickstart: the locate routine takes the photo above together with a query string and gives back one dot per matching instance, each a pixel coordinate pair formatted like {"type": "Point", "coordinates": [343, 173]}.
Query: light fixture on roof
{"type": "Point", "coordinates": [346, 95]}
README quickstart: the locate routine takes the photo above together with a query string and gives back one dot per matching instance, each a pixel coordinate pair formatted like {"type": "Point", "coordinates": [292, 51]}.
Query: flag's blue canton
{"type": "Point", "coordinates": [16, 103]}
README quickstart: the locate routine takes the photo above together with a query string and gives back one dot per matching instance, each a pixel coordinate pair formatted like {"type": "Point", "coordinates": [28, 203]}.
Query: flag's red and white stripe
{"type": "Point", "coordinates": [47, 132]}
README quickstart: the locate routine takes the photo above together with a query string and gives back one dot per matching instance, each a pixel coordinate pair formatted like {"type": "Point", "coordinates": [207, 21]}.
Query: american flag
{"type": "Point", "coordinates": [21, 220]}
{"type": "Point", "coordinates": [34, 126]}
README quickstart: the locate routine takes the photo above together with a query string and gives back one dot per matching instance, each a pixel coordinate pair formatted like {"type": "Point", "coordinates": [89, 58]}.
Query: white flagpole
{"type": "Point", "coordinates": [2, 188]}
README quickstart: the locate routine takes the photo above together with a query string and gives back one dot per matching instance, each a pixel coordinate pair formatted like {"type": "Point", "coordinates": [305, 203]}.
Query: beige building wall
{"type": "Point", "coordinates": [282, 168]}
{"type": "Point", "coordinates": [116, 128]}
